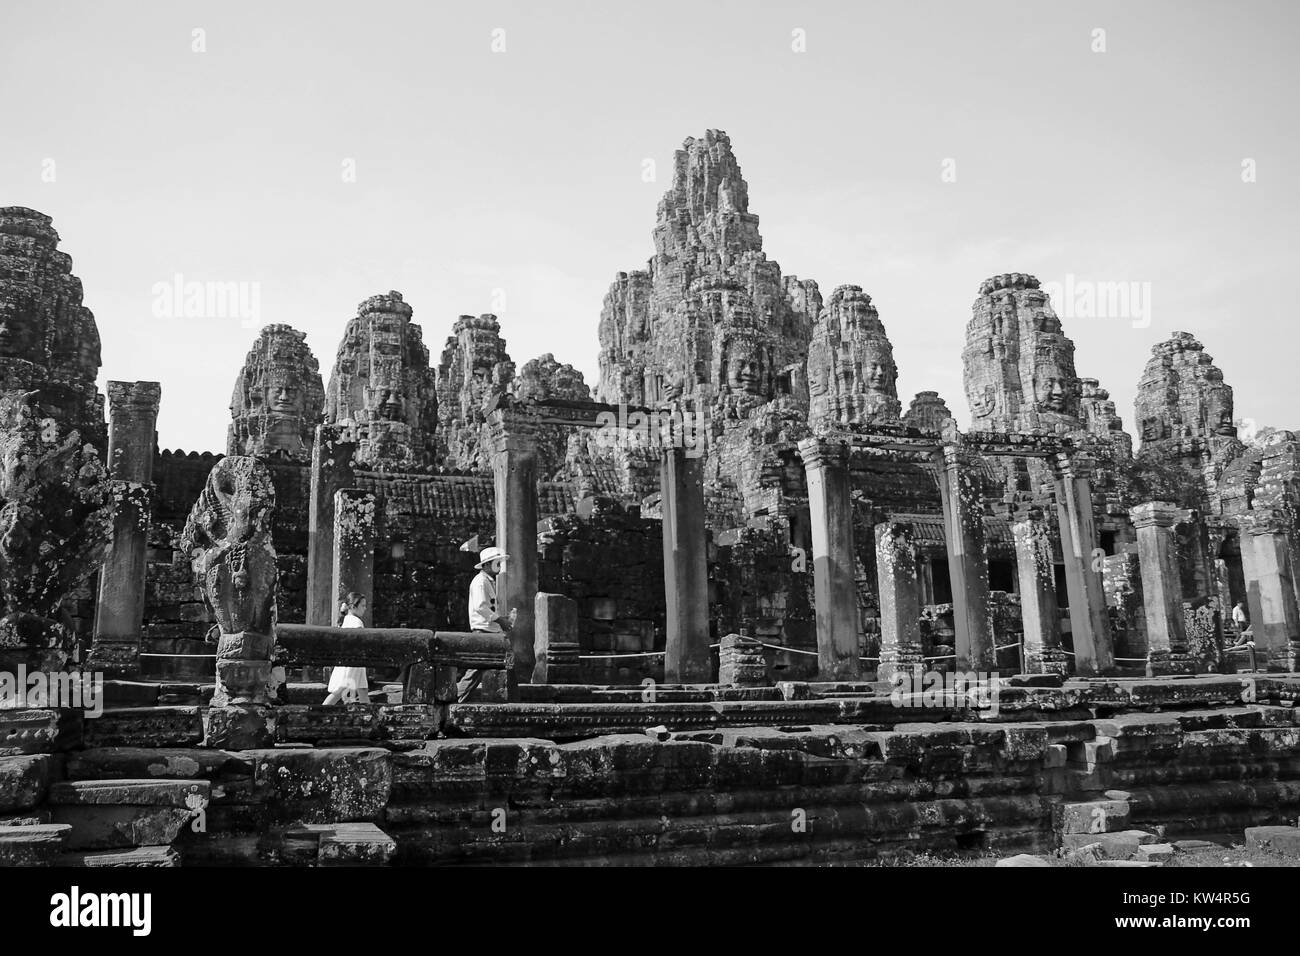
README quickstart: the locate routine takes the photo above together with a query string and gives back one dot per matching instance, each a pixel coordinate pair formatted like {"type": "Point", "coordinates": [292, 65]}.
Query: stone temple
{"type": "Point", "coordinates": [748, 576]}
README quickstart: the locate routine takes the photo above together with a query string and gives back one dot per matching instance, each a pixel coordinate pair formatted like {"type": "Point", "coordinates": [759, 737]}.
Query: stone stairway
{"type": "Point", "coordinates": [112, 823]}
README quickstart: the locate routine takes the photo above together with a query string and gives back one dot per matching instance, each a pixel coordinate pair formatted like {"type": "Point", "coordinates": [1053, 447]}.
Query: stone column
{"type": "Point", "coordinates": [1162, 589]}
{"type": "Point", "coordinates": [686, 568]}
{"type": "Point", "coordinates": [1089, 623]}
{"type": "Point", "coordinates": [331, 469]}
{"type": "Point", "coordinates": [834, 586]}
{"type": "Point", "coordinates": [1270, 592]}
{"type": "Point", "coordinates": [968, 563]}
{"type": "Point", "coordinates": [119, 613]}
{"type": "Point", "coordinates": [514, 467]}
{"type": "Point", "coordinates": [900, 600]}
{"type": "Point", "coordinates": [1043, 653]}
{"type": "Point", "coordinates": [354, 548]}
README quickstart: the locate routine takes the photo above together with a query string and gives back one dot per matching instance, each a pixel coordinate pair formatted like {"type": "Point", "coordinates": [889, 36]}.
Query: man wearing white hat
{"type": "Point", "coordinates": [483, 614]}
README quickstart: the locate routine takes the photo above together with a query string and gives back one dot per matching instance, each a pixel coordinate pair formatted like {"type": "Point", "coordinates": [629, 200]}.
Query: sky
{"type": "Point", "coordinates": [492, 157]}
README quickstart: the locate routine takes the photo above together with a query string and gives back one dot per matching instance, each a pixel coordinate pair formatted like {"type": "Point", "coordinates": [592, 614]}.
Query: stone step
{"type": "Point", "coordinates": [1284, 840]}
{"type": "Point", "coordinates": [38, 845]}
{"type": "Point", "coordinates": [144, 856]}
{"type": "Point", "coordinates": [339, 844]}
{"type": "Point", "coordinates": [113, 814]}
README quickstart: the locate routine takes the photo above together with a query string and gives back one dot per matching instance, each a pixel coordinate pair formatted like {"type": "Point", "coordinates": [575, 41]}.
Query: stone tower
{"type": "Point", "coordinates": [928, 412]}
{"type": "Point", "coordinates": [1182, 399]}
{"type": "Point", "coordinates": [1018, 366]}
{"type": "Point", "coordinates": [474, 368]}
{"type": "Point", "coordinates": [1184, 411]}
{"type": "Point", "coordinates": [278, 399]}
{"type": "Point", "coordinates": [383, 387]}
{"type": "Point", "coordinates": [851, 371]}
{"type": "Point", "coordinates": [49, 342]}
{"type": "Point", "coordinates": [659, 327]}
{"type": "Point", "coordinates": [543, 379]}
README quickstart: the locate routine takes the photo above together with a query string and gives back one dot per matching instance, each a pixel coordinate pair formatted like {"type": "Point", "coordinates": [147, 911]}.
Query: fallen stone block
{"type": "Point", "coordinates": [1094, 816]}
{"type": "Point", "coordinates": [25, 779]}
{"type": "Point", "coordinates": [1156, 852]}
{"type": "Point", "coordinates": [1126, 863]}
{"type": "Point", "coordinates": [1023, 859]}
{"type": "Point", "coordinates": [1284, 840]}
{"type": "Point", "coordinates": [32, 845]}
{"type": "Point", "coordinates": [356, 844]}
{"type": "Point", "coordinates": [143, 856]}
{"type": "Point", "coordinates": [1114, 846]}
{"type": "Point", "coordinates": [109, 814]}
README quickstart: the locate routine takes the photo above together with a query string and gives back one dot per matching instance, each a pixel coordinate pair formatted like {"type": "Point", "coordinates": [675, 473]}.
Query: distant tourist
{"type": "Point", "coordinates": [1240, 618]}
{"type": "Point", "coordinates": [349, 684]}
{"type": "Point", "coordinates": [483, 615]}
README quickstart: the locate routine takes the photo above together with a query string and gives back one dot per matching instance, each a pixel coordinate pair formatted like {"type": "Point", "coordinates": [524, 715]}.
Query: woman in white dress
{"type": "Point", "coordinates": [349, 684]}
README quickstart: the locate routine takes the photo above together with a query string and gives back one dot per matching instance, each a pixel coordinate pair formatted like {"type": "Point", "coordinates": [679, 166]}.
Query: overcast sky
{"type": "Point", "coordinates": [521, 171]}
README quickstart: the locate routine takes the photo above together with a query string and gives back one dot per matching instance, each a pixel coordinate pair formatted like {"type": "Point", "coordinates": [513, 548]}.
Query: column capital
{"type": "Point", "coordinates": [1155, 514]}
{"type": "Point", "coordinates": [512, 430]}
{"type": "Point", "coordinates": [821, 452]}
{"type": "Point", "coordinates": [136, 399]}
{"type": "Point", "coordinates": [1264, 521]}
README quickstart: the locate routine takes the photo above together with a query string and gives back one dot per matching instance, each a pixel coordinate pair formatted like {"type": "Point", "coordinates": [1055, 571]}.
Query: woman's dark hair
{"type": "Point", "coordinates": [349, 603]}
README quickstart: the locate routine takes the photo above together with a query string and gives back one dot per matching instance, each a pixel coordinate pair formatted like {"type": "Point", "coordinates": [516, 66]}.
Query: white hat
{"type": "Point", "coordinates": [489, 554]}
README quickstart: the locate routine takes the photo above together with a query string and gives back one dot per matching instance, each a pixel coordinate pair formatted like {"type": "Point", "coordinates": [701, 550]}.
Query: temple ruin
{"type": "Point", "coordinates": [733, 560]}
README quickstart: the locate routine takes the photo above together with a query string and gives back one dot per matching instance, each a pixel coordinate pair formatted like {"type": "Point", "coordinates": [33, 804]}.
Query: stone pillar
{"type": "Point", "coordinates": [968, 563]}
{"type": "Point", "coordinates": [1162, 589]}
{"type": "Point", "coordinates": [741, 662]}
{"type": "Point", "coordinates": [1089, 623]}
{"type": "Point", "coordinates": [331, 469]}
{"type": "Point", "coordinates": [119, 613]}
{"type": "Point", "coordinates": [834, 586]}
{"type": "Point", "coordinates": [514, 467]}
{"type": "Point", "coordinates": [556, 625]}
{"type": "Point", "coordinates": [1270, 592]}
{"type": "Point", "coordinates": [900, 600]}
{"type": "Point", "coordinates": [686, 568]}
{"type": "Point", "coordinates": [1043, 653]}
{"type": "Point", "coordinates": [354, 548]}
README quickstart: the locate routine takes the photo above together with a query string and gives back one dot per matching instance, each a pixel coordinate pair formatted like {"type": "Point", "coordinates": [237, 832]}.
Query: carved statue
{"type": "Point", "coordinates": [231, 525]}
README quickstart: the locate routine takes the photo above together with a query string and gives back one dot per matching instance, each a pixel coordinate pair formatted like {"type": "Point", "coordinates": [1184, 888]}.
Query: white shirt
{"type": "Point", "coordinates": [351, 620]}
{"type": "Point", "coordinates": [483, 603]}
{"type": "Point", "coordinates": [1238, 615]}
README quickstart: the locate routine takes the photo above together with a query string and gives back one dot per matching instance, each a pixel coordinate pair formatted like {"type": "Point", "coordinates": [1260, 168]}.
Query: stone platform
{"type": "Point", "coordinates": [800, 773]}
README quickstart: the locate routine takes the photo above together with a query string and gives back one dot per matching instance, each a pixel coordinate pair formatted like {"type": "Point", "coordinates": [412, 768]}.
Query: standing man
{"type": "Point", "coordinates": [483, 614]}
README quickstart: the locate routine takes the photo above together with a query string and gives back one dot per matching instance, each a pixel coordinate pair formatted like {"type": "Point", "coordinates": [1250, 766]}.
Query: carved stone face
{"type": "Point", "coordinates": [1050, 393]}
{"type": "Point", "coordinates": [283, 397]}
{"type": "Point", "coordinates": [880, 375]}
{"type": "Point", "coordinates": [983, 402]}
{"type": "Point", "coordinates": [387, 403]}
{"type": "Point", "coordinates": [1153, 429]}
{"type": "Point", "coordinates": [745, 374]}
{"type": "Point", "coordinates": [19, 338]}
{"type": "Point", "coordinates": [1218, 412]}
